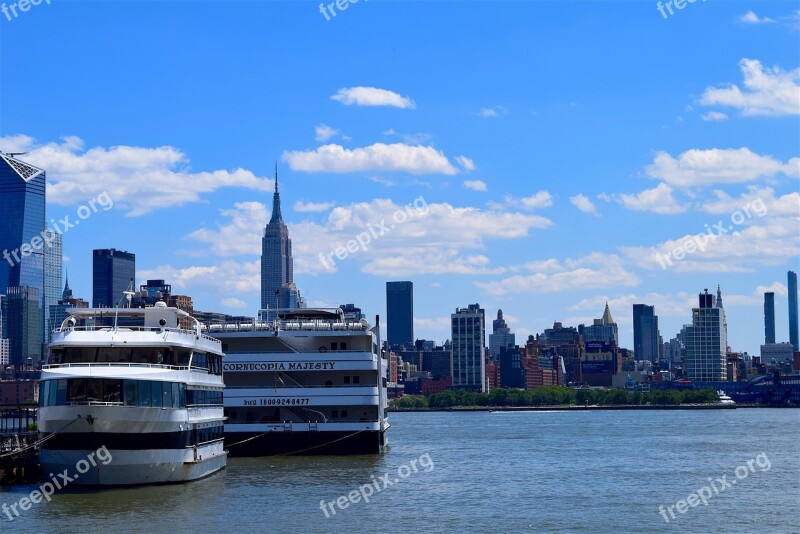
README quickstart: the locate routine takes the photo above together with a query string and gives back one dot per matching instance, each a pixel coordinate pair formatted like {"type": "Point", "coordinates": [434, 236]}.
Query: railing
{"type": "Point", "coordinates": [311, 350]}
{"type": "Point", "coordinates": [287, 326]}
{"type": "Point", "coordinates": [299, 423]}
{"type": "Point", "coordinates": [122, 364]}
{"type": "Point", "coordinates": [261, 386]}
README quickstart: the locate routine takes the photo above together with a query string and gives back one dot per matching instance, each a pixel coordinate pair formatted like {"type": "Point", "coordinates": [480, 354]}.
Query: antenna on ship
{"type": "Point", "coordinates": [128, 295]}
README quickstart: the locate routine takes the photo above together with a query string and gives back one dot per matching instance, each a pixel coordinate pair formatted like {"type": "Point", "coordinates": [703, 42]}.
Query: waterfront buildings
{"type": "Point", "coordinates": [603, 329]}
{"type": "Point", "coordinates": [277, 265]}
{"type": "Point", "coordinates": [25, 325]}
{"type": "Point", "coordinates": [769, 317]}
{"type": "Point", "coordinates": [113, 273]}
{"type": "Point", "coordinates": [501, 336]}
{"type": "Point", "coordinates": [776, 353]}
{"type": "Point", "coordinates": [707, 340]}
{"type": "Point", "coordinates": [58, 311]}
{"type": "Point", "coordinates": [468, 334]}
{"type": "Point", "coordinates": [566, 341]}
{"type": "Point", "coordinates": [645, 333]}
{"type": "Point", "coordinates": [399, 313]}
{"type": "Point", "coordinates": [793, 326]}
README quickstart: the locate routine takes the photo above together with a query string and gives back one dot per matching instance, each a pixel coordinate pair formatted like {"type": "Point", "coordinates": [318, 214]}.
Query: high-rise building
{"type": "Point", "coordinates": [4, 348]}
{"type": "Point", "coordinates": [769, 317]}
{"type": "Point", "coordinates": [792, 284]}
{"type": "Point", "coordinates": [289, 297]}
{"type": "Point", "coordinates": [707, 341]}
{"type": "Point", "coordinates": [58, 311]}
{"type": "Point", "coordinates": [277, 265]}
{"type": "Point", "coordinates": [25, 322]}
{"type": "Point", "coordinates": [501, 336]}
{"type": "Point", "coordinates": [399, 313]}
{"type": "Point", "coordinates": [53, 278]}
{"type": "Point", "coordinates": [22, 205]}
{"type": "Point", "coordinates": [468, 334]}
{"type": "Point", "coordinates": [113, 273]}
{"type": "Point", "coordinates": [645, 333]}
{"type": "Point", "coordinates": [603, 329]}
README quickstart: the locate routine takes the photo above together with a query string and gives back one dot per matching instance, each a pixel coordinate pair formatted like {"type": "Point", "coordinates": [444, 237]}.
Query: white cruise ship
{"type": "Point", "coordinates": [151, 395]}
{"type": "Point", "coordinates": [309, 382]}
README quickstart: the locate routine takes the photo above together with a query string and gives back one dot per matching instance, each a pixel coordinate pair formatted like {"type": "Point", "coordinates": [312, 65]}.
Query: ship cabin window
{"type": "Point", "coordinates": [182, 357]}
{"type": "Point", "coordinates": [144, 394]}
{"type": "Point", "coordinates": [334, 345]}
{"type": "Point", "coordinates": [343, 345]}
{"type": "Point", "coordinates": [347, 380]}
{"type": "Point", "coordinates": [142, 355]}
{"type": "Point", "coordinates": [141, 393]}
{"type": "Point", "coordinates": [344, 414]}
{"type": "Point", "coordinates": [200, 360]}
{"type": "Point", "coordinates": [334, 414]}
{"type": "Point", "coordinates": [356, 380]}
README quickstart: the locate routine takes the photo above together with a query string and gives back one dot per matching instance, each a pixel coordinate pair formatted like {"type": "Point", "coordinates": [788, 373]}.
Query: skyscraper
{"type": "Point", "coordinates": [53, 266]}
{"type": "Point", "coordinates": [793, 337]}
{"type": "Point", "coordinates": [769, 317]}
{"type": "Point", "coordinates": [603, 329]}
{"type": "Point", "coordinates": [501, 336]}
{"type": "Point", "coordinates": [25, 332]}
{"type": "Point", "coordinates": [707, 341]}
{"type": "Point", "coordinates": [468, 331]}
{"type": "Point", "coordinates": [399, 313]}
{"type": "Point", "coordinates": [645, 332]}
{"type": "Point", "coordinates": [112, 273]}
{"type": "Point", "coordinates": [58, 311]}
{"type": "Point", "coordinates": [277, 265]}
{"type": "Point", "coordinates": [22, 205]}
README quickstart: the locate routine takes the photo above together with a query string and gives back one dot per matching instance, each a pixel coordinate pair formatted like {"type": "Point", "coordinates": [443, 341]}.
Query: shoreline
{"type": "Point", "coordinates": [579, 408]}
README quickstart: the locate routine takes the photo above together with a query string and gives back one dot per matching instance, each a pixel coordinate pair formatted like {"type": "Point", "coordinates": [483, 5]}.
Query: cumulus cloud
{"type": "Point", "coordinates": [657, 200]}
{"type": "Point", "coordinates": [397, 157]}
{"type": "Point", "coordinates": [715, 166]}
{"type": "Point", "coordinates": [492, 112]}
{"type": "Point", "coordinates": [323, 132]}
{"type": "Point", "coordinates": [138, 179]}
{"type": "Point", "coordinates": [714, 116]}
{"type": "Point", "coordinates": [475, 185]}
{"type": "Point", "coordinates": [301, 206]}
{"type": "Point", "coordinates": [465, 163]}
{"type": "Point", "coordinates": [593, 271]}
{"type": "Point", "coordinates": [751, 18]}
{"type": "Point", "coordinates": [583, 203]}
{"type": "Point", "coordinates": [767, 91]}
{"type": "Point", "coordinates": [372, 96]}
{"type": "Point", "coordinates": [539, 200]}
{"type": "Point", "coordinates": [232, 302]}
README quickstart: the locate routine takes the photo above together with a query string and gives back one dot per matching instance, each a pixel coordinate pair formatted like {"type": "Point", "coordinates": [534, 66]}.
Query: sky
{"type": "Point", "coordinates": [542, 158]}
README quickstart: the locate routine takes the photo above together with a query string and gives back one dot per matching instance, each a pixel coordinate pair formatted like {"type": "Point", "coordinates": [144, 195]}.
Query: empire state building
{"type": "Point", "coordinates": [277, 275]}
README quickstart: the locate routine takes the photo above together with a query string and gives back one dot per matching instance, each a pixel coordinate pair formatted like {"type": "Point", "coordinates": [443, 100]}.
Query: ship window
{"type": "Point", "coordinates": [167, 395]}
{"type": "Point", "coordinates": [347, 380]}
{"type": "Point", "coordinates": [182, 387]}
{"type": "Point", "coordinates": [155, 394]}
{"type": "Point", "coordinates": [44, 392]}
{"type": "Point", "coordinates": [130, 392]}
{"type": "Point", "coordinates": [52, 399]}
{"type": "Point", "coordinates": [334, 345]}
{"type": "Point", "coordinates": [77, 390]}
{"type": "Point", "coordinates": [176, 395]}
{"type": "Point", "coordinates": [182, 357]}
{"type": "Point", "coordinates": [56, 355]}
{"type": "Point", "coordinates": [144, 393]}
{"type": "Point", "coordinates": [335, 414]}
{"type": "Point", "coordinates": [343, 346]}
{"type": "Point", "coordinates": [112, 390]}
{"type": "Point", "coordinates": [61, 397]}
{"type": "Point", "coordinates": [344, 414]}
{"type": "Point", "coordinates": [356, 380]}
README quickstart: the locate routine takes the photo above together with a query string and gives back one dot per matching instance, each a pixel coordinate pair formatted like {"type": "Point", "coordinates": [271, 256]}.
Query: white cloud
{"type": "Point", "coordinates": [466, 164]}
{"type": "Point", "coordinates": [323, 132]}
{"type": "Point", "coordinates": [657, 200]}
{"type": "Point", "coordinates": [301, 206]}
{"type": "Point", "coordinates": [418, 138]}
{"type": "Point", "coordinates": [475, 185]}
{"type": "Point", "coordinates": [757, 201]}
{"type": "Point", "coordinates": [583, 203]}
{"type": "Point", "coordinates": [228, 277]}
{"type": "Point", "coordinates": [397, 157]}
{"type": "Point", "coordinates": [714, 116]}
{"type": "Point", "coordinates": [232, 302]}
{"type": "Point", "coordinates": [372, 96]}
{"type": "Point", "coordinates": [138, 179]}
{"type": "Point", "coordinates": [770, 92]}
{"type": "Point", "coordinates": [778, 288]}
{"type": "Point", "coordinates": [751, 18]}
{"type": "Point", "coordinates": [593, 271]}
{"type": "Point", "coordinates": [541, 199]}
{"type": "Point", "coordinates": [715, 166]}
{"type": "Point", "coordinates": [435, 240]}
{"type": "Point", "coordinates": [492, 112]}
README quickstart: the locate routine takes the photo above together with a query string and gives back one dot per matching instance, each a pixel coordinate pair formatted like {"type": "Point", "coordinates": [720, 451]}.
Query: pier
{"type": "Point", "coordinates": [18, 457]}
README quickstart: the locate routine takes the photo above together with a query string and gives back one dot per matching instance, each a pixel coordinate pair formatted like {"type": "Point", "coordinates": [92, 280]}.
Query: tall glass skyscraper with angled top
{"type": "Point", "coordinates": [399, 313]}
{"type": "Point", "coordinates": [22, 205]}
{"type": "Point", "coordinates": [277, 265]}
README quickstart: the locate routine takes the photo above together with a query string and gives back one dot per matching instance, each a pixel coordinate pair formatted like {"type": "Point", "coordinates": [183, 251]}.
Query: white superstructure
{"type": "Point", "coordinates": [134, 383]}
{"type": "Point", "coordinates": [309, 382]}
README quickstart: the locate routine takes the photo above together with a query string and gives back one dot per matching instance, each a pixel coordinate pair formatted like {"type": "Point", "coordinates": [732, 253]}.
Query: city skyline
{"type": "Point", "coordinates": [627, 175]}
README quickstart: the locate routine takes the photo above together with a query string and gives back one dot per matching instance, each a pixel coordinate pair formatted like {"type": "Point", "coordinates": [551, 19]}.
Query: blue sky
{"type": "Point", "coordinates": [555, 147]}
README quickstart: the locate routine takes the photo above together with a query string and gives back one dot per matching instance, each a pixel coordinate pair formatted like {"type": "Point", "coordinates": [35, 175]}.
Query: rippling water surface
{"type": "Point", "coordinates": [492, 472]}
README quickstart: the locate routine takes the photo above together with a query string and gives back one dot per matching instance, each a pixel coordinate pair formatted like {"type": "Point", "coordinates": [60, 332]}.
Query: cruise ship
{"type": "Point", "coordinates": [311, 381]}
{"type": "Point", "coordinates": [146, 398]}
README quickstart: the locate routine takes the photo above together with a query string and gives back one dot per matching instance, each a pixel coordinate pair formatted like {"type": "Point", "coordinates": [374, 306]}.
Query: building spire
{"type": "Point", "coordinates": [276, 201]}
{"type": "Point", "coordinates": [67, 294]}
{"type": "Point", "coordinates": [607, 319]}
{"type": "Point", "coordinates": [719, 296]}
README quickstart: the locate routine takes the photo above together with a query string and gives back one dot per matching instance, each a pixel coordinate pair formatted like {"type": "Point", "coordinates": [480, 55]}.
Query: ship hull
{"type": "Point", "coordinates": [306, 443]}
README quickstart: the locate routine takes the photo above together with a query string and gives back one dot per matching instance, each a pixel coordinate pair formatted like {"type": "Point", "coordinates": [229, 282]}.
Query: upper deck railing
{"type": "Point", "coordinates": [158, 330]}
{"type": "Point", "coordinates": [319, 319]}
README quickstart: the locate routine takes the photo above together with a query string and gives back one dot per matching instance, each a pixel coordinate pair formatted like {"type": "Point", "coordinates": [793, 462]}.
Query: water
{"type": "Point", "coordinates": [492, 472]}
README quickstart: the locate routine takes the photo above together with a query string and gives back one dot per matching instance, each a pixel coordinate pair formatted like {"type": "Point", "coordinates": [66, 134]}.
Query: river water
{"type": "Point", "coordinates": [606, 471]}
